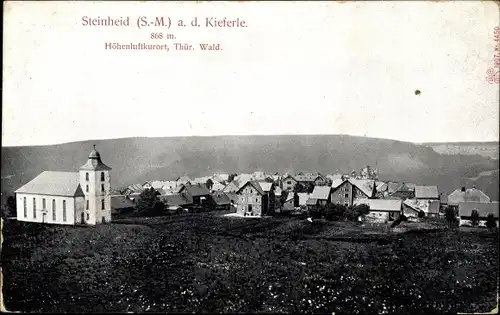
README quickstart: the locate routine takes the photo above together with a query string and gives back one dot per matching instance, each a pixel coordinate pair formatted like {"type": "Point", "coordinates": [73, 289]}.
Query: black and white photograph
{"type": "Point", "coordinates": [336, 157]}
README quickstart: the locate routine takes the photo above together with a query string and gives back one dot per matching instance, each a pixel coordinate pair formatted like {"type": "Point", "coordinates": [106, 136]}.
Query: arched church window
{"type": "Point", "coordinates": [102, 176]}
{"type": "Point", "coordinates": [86, 176]}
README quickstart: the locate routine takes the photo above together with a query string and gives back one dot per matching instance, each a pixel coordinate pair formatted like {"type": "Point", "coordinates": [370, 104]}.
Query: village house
{"type": "Point", "coordinates": [466, 195]}
{"type": "Point", "coordinates": [352, 189]}
{"type": "Point", "coordinates": [425, 207]}
{"type": "Point", "coordinates": [382, 210]}
{"type": "Point", "coordinates": [289, 183]}
{"type": "Point", "coordinates": [320, 196]}
{"type": "Point", "coordinates": [221, 201]}
{"type": "Point", "coordinates": [233, 198]}
{"type": "Point", "coordinates": [253, 200]}
{"type": "Point", "coordinates": [177, 202]}
{"type": "Point", "coordinates": [336, 180]}
{"type": "Point", "coordinates": [403, 191]}
{"type": "Point", "coordinates": [288, 205]}
{"type": "Point", "coordinates": [68, 197]}
{"type": "Point", "coordinates": [231, 187]}
{"type": "Point", "coordinates": [381, 188]}
{"type": "Point", "coordinates": [309, 178]}
{"type": "Point", "coordinates": [121, 206]}
{"type": "Point", "coordinates": [426, 193]}
{"type": "Point", "coordinates": [133, 191]}
{"type": "Point", "coordinates": [199, 196]}
{"type": "Point", "coordinates": [483, 209]}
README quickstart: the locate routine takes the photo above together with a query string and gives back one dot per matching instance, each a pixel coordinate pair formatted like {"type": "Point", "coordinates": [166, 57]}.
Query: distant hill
{"type": "Point", "coordinates": [135, 160]}
{"type": "Point", "coordinates": [487, 149]}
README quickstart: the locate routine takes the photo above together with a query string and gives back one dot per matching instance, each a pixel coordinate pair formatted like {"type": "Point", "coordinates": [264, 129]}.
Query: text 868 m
{"type": "Point", "coordinates": [161, 36]}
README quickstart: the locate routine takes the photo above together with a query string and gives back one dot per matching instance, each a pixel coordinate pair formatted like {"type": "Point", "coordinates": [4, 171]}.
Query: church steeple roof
{"type": "Point", "coordinates": [94, 154]}
{"type": "Point", "coordinates": [94, 163]}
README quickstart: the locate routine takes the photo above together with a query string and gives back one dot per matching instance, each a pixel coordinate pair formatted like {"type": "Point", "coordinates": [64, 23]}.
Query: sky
{"type": "Point", "coordinates": [297, 68]}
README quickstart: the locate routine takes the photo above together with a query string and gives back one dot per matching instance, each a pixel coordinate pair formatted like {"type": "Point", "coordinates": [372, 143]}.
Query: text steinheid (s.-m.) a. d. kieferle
{"type": "Point", "coordinates": [212, 22]}
{"type": "Point", "coordinates": [135, 46]}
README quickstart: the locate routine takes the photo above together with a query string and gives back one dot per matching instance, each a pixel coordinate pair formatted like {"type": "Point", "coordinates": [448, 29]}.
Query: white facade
{"type": "Point", "coordinates": [249, 201]}
{"type": "Point", "coordinates": [96, 187]}
{"type": "Point", "coordinates": [70, 198]}
{"type": "Point", "coordinates": [57, 210]}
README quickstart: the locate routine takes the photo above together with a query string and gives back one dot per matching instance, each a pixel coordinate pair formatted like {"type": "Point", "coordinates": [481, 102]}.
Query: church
{"type": "Point", "coordinates": [68, 198]}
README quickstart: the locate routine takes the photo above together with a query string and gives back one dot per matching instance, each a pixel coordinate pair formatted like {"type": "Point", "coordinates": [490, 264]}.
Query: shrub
{"type": "Point", "coordinates": [491, 223]}
{"type": "Point", "coordinates": [474, 218]}
{"type": "Point", "coordinates": [316, 212]}
{"type": "Point", "coordinates": [334, 212]}
{"type": "Point", "coordinates": [450, 216]}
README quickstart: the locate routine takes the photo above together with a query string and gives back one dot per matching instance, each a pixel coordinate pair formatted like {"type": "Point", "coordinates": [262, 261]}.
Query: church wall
{"type": "Point", "coordinates": [48, 217]}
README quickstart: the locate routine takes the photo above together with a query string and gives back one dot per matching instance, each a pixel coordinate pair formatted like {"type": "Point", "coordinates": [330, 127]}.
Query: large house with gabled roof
{"type": "Point", "coordinates": [255, 199]}
{"type": "Point", "coordinates": [352, 189]}
{"type": "Point", "coordinates": [68, 198]}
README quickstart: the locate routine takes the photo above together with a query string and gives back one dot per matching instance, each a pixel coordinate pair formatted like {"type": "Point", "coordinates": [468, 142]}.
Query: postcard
{"type": "Point", "coordinates": [250, 157]}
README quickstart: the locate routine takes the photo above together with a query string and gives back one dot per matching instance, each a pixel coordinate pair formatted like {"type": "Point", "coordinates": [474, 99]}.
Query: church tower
{"type": "Point", "coordinates": [96, 185]}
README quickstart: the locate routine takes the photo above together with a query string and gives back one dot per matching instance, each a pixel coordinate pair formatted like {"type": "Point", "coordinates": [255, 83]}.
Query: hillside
{"type": "Point", "coordinates": [135, 160]}
{"type": "Point", "coordinates": [487, 149]}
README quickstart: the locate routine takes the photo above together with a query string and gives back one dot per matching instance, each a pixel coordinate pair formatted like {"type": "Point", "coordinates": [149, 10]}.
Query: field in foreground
{"type": "Point", "coordinates": [209, 263]}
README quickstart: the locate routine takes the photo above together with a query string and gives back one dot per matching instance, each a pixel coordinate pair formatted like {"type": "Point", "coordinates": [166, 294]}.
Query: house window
{"type": "Point", "coordinates": [87, 176]}
{"type": "Point", "coordinates": [87, 206]}
{"type": "Point", "coordinates": [25, 207]}
{"type": "Point", "coordinates": [102, 177]}
{"type": "Point", "coordinates": [102, 187]}
{"type": "Point", "coordinates": [102, 204]}
{"type": "Point", "coordinates": [87, 188]}
{"type": "Point", "coordinates": [256, 199]}
{"type": "Point", "coordinates": [289, 182]}
{"type": "Point", "coordinates": [34, 208]}
{"type": "Point", "coordinates": [53, 209]}
{"type": "Point", "coordinates": [346, 195]}
{"type": "Point", "coordinates": [249, 208]}
{"type": "Point", "coordinates": [346, 204]}
{"type": "Point", "coordinates": [44, 204]}
{"type": "Point", "coordinates": [64, 210]}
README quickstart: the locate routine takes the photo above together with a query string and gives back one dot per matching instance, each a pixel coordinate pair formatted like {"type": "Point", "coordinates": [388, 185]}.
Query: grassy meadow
{"type": "Point", "coordinates": [210, 263]}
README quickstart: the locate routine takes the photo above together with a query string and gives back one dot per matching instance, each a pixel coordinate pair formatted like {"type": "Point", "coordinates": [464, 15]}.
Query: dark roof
{"type": "Point", "coordinates": [255, 185]}
{"type": "Point", "coordinates": [196, 190]}
{"type": "Point", "coordinates": [121, 202]}
{"type": "Point", "coordinates": [176, 200]}
{"type": "Point", "coordinates": [54, 184]}
{"type": "Point", "coordinates": [232, 196]}
{"type": "Point", "coordinates": [392, 187]}
{"type": "Point", "coordinates": [405, 187]}
{"type": "Point", "coordinates": [221, 199]}
{"type": "Point", "coordinates": [161, 191]}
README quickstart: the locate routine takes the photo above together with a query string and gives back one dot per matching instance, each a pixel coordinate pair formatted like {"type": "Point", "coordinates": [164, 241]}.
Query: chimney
{"type": "Point", "coordinates": [463, 188]}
